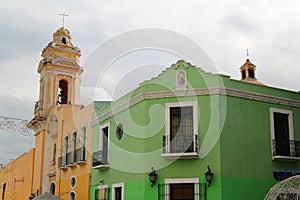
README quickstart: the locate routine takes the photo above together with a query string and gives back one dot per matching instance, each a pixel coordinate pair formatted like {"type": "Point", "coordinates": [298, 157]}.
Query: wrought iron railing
{"type": "Point", "coordinates": [292, 146]}
{"type": "Point", "coordinates": [73, 157]}
{"type": "Point", "coordinates": [180, 143]}
{"type": "Point", "coordinates": [99, 158]}
{"type": "Point", "coordinates": [80, 154]}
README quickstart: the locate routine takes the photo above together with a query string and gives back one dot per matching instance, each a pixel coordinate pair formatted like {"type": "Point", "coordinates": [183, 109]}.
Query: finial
{"type": "Point", "coordinates": [247, 53]}
{"type": "Point", "coordinates": [63, 18]}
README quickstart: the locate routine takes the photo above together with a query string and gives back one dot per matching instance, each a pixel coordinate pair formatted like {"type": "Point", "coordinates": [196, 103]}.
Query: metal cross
{"type": "Point", "coordinates": [63, 18]}
{"type": "Point", "coordinates": [247, 52]}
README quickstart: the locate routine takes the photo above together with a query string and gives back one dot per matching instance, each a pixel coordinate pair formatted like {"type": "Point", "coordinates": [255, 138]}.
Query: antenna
{"type": "Point", "coordinates": [63, 18]}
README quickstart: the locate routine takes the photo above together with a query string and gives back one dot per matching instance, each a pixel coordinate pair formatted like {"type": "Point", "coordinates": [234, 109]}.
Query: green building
{"type": "Point", "coordinates": [196, 135]}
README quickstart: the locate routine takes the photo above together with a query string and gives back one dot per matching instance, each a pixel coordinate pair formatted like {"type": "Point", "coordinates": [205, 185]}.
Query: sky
{"type": "Point", "coordinates": [223, 29]}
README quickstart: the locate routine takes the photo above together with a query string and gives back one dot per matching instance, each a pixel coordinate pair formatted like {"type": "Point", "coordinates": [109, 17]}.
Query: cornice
{"type": "Point", "coordinates": [198, 92]}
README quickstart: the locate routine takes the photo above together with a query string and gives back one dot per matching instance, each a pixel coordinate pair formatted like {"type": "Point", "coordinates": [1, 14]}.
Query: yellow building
{"type": "Point", "coordinates": [60, 164]}
{"type": "Point", "coordinates": [16, 177]}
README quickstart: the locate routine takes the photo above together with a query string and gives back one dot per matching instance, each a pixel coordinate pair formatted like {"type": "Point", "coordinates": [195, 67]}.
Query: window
{"type": "Point", "coordinates": [101, 157]}
{"type": "Point", "coordinates": [66, 149]}
{"type": "Point", "coordinates": [83, 143]}
{"type": "Point", "coordinates": [62, 92]}
{"type": "Point", "coordinates": [72, 195]}
{"type": "Point", "coordinates": [15, 183]}
{"type": "Point", "coordinates": [102, 193]}
{"type": "Point", "coordinates": [180, 189]}
{"type": "Point", "coordinates": [181, 137]}
{"type": "Point", "coordinates": [73, 182]}
{"type": "Point", "coordinates": [3, 190]}
{"type": "Point", "coordinates": [118, 191]}
{"type": "Point", "coordinates": [52, 189]}
{"type": "Point", "coordinates": [283, 144]}
{"type": "Point", "coordinates": [54, 154]}
{"type": "Point", "coordinates": [74, 145]}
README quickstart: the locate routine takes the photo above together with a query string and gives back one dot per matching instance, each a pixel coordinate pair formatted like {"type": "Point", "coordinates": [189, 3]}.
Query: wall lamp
{"type": "Point", "coordinates": [152, 177]}
{"type": "Point", "coordinates": [209, 176]}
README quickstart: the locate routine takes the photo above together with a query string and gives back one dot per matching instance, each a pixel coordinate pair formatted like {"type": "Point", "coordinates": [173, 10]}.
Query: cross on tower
{"type": "Point", "coordinates": [247, 52]}
{"type": "Point", "coordinates": [63, 18]}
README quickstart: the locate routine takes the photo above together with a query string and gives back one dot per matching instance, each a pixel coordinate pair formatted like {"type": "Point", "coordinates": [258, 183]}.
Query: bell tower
{"type": "Point", "coordinates": [59, 72]}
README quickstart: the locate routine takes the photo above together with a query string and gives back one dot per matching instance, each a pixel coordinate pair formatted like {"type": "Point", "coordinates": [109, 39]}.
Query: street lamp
{"type": "Point", "coordinates": [152, 177]}
{"type": "Point", "coordinates": [209, 176]}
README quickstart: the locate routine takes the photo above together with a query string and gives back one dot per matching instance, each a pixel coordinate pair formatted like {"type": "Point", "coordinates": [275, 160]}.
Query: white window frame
{"type": "Point", "coordinates": [85, 142]}
{"type": "Point", "coordinates": [194, 104]}
{"type": "Point", "coordinates": [195, 181]}
{"type": "Point", "coordinates": [291, 132]}
{"type": "Point", "coordinates": [103, 187]}
{"type": "Point", "coordinates": [72, 191]}
{"type": "Point", "coordinates": [121, 185]}
{"type": "Point", "coordinates": [101, 144]}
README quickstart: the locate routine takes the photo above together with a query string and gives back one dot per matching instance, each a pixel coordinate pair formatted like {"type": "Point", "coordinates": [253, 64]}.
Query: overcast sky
{"type": "Point", "coordinates": [223, 29]}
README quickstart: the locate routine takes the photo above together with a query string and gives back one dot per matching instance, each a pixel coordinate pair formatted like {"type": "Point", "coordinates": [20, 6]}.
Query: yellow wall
{"type": "Point", "coordinates": [20, 170]}
{"type": "Point", "coordinates": [70, 119]}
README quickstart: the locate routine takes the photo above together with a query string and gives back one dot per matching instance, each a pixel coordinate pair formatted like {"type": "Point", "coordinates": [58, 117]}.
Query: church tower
{"type": "Point", "coordinates": [59, 72]}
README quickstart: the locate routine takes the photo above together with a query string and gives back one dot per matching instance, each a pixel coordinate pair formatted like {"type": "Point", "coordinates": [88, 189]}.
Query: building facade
{"type": "Point", "coordinates": [189, 134]}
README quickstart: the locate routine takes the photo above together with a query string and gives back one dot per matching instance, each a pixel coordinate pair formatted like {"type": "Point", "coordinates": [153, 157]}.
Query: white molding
{"type": "Point", "coordinates": [108, 139]}
{"type": "Point", "coordinates": [291, 131]}
{"type": "Point", "coordinates": [115, 186]}
{"type": "Point", "coordinates": [198, 92]}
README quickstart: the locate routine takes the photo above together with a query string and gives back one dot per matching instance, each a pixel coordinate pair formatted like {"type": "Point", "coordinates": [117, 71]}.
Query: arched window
{"type": "Point", "coordinates": [72, 195]}
{"type": "Point", "coordinates": [52, 189]}
{"type": "Point", "coordinates": [66, 149]}
{"type": "Point", "coordinates": [63, 92]}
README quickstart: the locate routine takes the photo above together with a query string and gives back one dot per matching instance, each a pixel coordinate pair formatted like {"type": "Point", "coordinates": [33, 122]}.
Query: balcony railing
{"type": "Point", "coordinates": [73, 157]}
{"type": "Point", "coordinates": [80, 155]}
{"type": "Point", "coordinates": [180, 144]}
{"type": "Point", "coordinates": [99, 158]}
{"type": "Point", "coordinates": [286, 149]}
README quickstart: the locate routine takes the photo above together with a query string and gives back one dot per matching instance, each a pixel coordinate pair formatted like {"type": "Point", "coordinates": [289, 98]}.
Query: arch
{"type": "Point", "coordinates": [62, 91]}
{"type": "Point", "coordinates": [52, 188]}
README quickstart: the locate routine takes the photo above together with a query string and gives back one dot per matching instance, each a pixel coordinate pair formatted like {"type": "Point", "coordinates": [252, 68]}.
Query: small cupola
{"type": "Point", "coordinates": [248, 73]}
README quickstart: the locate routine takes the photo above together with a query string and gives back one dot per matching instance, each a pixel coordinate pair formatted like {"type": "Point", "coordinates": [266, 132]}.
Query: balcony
{"type": "Point", "coordinates": [285, 150]}
{"type": "Point", "coordinates": [100, 160]}
{"type": "Point", "coordinates": [78, 156]}
{"type": "Point", "coordinates": [62, 162]}
{"type": "Point", "coordinates": [38, 108]}
{"type": "Point", "coordinates": [180, 146]}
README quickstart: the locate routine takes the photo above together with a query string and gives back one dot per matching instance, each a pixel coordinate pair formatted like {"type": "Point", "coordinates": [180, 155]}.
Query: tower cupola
{"type": "Point", "coordinates": [248, 73]}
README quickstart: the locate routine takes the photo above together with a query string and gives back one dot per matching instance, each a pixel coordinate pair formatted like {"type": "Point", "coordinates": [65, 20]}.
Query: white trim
{"type": "Point", "coordinates": [182, 180]}
{"type": "Point", "coordinates": [198, 92]}
{"type": "Point", "coordinates": [86, 136]}
{"type": "Point", "coordinates": [291, 132]}
{"type": "Point", "coordinates": [101, 144]}
{"type": "Point", "coordinates": [113, 190]}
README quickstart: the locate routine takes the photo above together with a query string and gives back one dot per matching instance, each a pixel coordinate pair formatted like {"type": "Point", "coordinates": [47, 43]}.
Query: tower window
{"type": "Point", "coordinates": [63, 92]}
{"type": "Point", "coordinates": [251, 73]}
{"type": "Point", "coordinates": [63, 40]}
{"type": "Point", "coordinates": [243, 74]}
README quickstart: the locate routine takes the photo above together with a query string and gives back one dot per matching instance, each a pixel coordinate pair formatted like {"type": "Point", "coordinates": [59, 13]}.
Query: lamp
{"type": "Point", "coordinates": [152, 177]}
{"type": "Point", "coordinates": [209, 176]}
